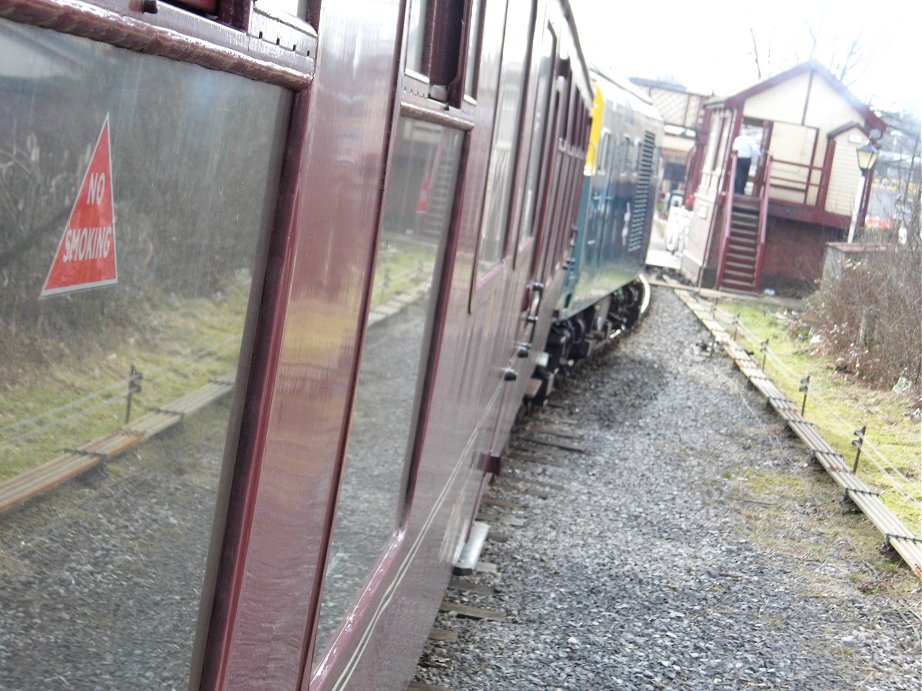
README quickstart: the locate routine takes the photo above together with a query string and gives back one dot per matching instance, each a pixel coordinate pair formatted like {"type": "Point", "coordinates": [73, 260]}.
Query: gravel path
{"type": "Point", "coordinates": [692, 546]}
{"type": "Point", "coordinates": [100, 579]}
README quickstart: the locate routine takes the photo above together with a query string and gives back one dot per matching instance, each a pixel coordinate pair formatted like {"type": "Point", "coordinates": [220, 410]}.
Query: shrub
{"type": "Point", "coordinates": [869, 317]}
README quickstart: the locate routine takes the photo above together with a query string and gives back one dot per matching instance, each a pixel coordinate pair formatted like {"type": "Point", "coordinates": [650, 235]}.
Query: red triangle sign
{"type": "Point", "coordinates": [86, 253]}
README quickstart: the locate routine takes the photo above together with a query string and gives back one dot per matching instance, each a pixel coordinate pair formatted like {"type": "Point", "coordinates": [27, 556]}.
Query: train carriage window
{"type": "Point", "coordinates": [209, 6]}
{"type": "Point", "coordinates": [416, 35]}
{"type": "Point", "coordinates": [141, 372]}
{"type": "Point", "coordinates": [408, 265]}
{"type": "Point", "coordinates": [574, 118]}
{"type": "Point", "coordinates": [295, 8]}
{"type": "Point", "coordinates": [538, 134]}
{"type": "Point", "coordinates": [232, 9]}
{"type": "Point", "coordinates": [435, 48]}
{"type": "Point", "coordinates": [498, 192]}
{"type": "Point", "coordinates": [554, 209]}
{"type": "Point", "coordinates": [472, 56]}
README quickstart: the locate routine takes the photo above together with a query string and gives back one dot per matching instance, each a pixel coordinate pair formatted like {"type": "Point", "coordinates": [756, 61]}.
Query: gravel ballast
{"type": "Point", "coordinates": [692, 545]}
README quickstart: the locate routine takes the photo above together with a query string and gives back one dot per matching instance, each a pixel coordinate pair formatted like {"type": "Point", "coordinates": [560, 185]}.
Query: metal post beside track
{"type": "Point", "coordinates": [134, 386]}
{"type": "Point", "coordinates": [804, 389]}
{"type": "Point", "coordinates": [858, 442]}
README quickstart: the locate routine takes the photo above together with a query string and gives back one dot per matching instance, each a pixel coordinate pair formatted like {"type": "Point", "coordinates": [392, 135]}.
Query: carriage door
{"type": "Point", "coordinates": [540, 156]}
{"type": "Point", "coordinates": [402, 332]}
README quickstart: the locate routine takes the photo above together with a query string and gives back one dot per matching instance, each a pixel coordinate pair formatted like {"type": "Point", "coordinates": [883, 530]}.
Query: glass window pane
{"type": "Point", "coordinates": [539, 127]}
{"type": "Point", "coordinates": [505, 137]}
{"type": "Point", "coordinates": [296, 8]}
{"type": "Point", "coordinates": [173, 169]}
{"type": "Point", "coordinates": [473, 51]}
{"type": "Point", "coordinates": [416, 35]}
{"type": "Point", "coordinates": [416, 219]}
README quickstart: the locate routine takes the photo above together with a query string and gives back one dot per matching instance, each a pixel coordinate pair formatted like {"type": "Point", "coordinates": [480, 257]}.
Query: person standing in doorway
{"type": "Point", "coordinates": [747, 153]}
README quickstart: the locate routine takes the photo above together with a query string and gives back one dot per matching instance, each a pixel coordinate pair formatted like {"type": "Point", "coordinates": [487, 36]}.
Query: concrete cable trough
{"type": "Point", "coordinates": [896, 535]}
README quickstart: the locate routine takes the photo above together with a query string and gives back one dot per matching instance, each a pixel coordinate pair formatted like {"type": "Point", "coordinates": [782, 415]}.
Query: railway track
{"type": "Point", "coordinates": [78, 460]}
{"type": "Point", "coordinates": [631, 563]}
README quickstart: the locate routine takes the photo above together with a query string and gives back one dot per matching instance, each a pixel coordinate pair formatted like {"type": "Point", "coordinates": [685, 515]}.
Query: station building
{"type": "Point", "coordinates": [802, 192]}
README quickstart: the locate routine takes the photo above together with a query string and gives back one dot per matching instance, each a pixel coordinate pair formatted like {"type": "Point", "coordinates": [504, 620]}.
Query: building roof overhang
{"type": "Point", "coordinates": [871, 120]}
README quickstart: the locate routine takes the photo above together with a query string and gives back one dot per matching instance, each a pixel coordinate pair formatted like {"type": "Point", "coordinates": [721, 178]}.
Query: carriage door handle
{"type": "Point", "coordinates": [531, 317]}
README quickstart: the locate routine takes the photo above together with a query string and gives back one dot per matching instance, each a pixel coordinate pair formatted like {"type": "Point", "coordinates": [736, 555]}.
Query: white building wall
{"type": "Point", "coordinates": [828, 109]}
{"type": "Point", "coordinates": [804, 110]}
{"type": "Point", "coordinates": [792, 145]}
{"type": "Point", "coordinates": [845, 178]}
{"type": "Point", "coordinates": [783, 103]}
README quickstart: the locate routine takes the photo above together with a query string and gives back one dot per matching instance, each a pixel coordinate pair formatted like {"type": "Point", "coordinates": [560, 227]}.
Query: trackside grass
{"type": "Point", "coordinates": [838, 405]}
{"type": "Point", "coordinates": [80, 395]}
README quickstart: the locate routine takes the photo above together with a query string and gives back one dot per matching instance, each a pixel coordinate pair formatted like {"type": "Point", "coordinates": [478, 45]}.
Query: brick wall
{"type": "Point", "coordinates": [794, 251]}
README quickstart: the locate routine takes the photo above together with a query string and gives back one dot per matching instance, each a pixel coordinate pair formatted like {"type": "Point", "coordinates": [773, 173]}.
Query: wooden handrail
{"type": "Point", "coordinates": [802, 186]}
{"type": "Point", "coordinates": [763, 227]}
{"type": "Point", "coordinates": [728, 215]}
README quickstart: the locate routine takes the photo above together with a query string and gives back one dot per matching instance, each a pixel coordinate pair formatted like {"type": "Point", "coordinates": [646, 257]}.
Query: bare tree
{"type": "Point", "coordinates": [842, 65]}
{"type": "Point", "coordinates": [755, 52]}
{"type": "Point", "coordinates": [844, 68]}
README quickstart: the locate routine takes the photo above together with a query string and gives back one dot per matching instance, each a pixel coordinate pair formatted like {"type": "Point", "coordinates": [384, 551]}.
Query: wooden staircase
{"type": "Point", "coordinates": [742, 249]}
{"type": "Point", "coordinates": [741, 254]}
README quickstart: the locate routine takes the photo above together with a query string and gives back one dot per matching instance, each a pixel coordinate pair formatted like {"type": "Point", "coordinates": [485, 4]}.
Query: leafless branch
{"type": "Point", "coordinates": [851, 60]}
{"type": "Point", "coordinates": [755, 52]}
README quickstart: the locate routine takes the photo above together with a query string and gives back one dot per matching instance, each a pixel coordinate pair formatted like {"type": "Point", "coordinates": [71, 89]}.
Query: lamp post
{"type": "Point", "coordinates": [867, 157]}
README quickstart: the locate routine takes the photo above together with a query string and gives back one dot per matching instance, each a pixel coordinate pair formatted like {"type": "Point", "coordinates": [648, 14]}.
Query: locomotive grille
{"type": "Point", "coordinates": [641, 204]}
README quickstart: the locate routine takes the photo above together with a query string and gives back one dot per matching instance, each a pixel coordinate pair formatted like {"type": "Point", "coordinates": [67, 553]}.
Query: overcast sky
{"type": "Point", "coordinates": [708, 47]}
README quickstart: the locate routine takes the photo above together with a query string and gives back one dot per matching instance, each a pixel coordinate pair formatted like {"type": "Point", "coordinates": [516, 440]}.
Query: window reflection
{"type": "Point", "coordinates": [100, 578]}
{"type": "Point", "coordinates": [415, 224]}
{"type": "Point", "coordinates": [296, 8]}
{"type": "Point", "coordinates": [505, 138]}
{"type": "Point", "coordinates": [473, 50]}
{"type": "Point", "coordinates": [538, 130]}
{"type": "Point", "coordinates": [416, 36]}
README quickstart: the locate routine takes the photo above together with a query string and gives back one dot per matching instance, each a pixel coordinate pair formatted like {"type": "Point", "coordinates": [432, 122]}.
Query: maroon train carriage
{"type": "Point", "coordinates": [341, 227]}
